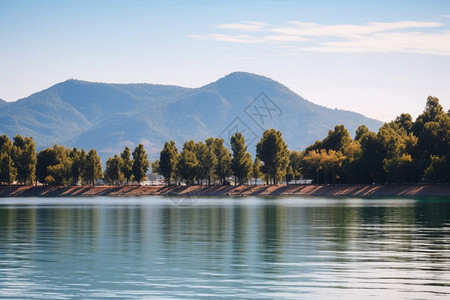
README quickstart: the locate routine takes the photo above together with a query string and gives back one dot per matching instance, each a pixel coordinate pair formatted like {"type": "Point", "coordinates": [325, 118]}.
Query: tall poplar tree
{"type": "Point", "coordinates": [241, 163]}
{"type": "Point", "coordinates": [223, 156]}
{"type": "Point", "coordinates": [140, 164]}
{"type": "Point", "coordinates": [127, 164]}
{"type": "Point", "coordinates": [93, 168]}
{"type": "Point", "coordinates": [168, 160]}
{"type": "Point", "coordinates": [188, 163]}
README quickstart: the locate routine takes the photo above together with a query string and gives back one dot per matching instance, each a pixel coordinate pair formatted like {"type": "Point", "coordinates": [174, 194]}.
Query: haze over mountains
{"type": "Point", "coordinates": [108, 117]}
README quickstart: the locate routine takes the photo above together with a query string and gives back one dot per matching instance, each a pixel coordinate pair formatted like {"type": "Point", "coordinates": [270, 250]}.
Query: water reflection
{"type": "Point", "coordinates": [252, 247]}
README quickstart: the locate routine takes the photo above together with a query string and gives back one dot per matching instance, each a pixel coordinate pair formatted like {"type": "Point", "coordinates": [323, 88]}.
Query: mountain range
{"type": "Point", "coordinates": [108, 117]}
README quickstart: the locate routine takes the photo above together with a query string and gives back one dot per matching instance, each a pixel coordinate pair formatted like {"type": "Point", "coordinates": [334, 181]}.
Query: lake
{"type": "Point", "coordinates": [203, 248]}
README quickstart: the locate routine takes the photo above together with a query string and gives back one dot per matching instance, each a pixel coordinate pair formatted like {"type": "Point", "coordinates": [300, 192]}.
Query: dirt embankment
{"type": "Point", "coordinates": [278, 190]}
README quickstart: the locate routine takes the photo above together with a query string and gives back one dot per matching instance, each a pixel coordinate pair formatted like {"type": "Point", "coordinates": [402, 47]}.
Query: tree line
{"type": "Point", "coordinates": [402, 151]}
{"type": "Point", "coordinates": [59, 165]}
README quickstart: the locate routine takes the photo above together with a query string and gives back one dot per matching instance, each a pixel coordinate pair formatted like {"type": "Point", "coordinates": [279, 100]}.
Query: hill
{"type": "Point", "coordinates": [108, 117]}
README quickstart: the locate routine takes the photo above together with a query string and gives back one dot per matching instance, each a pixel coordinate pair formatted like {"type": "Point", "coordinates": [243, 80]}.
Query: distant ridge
{"type": "Point", "coordinates": [109, 117]}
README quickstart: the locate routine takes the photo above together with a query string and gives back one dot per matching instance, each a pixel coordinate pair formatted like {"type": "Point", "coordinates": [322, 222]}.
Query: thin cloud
{"type": "Point", "coordinates": [400, 37]}
{"type": "Point", "coordinates": [346, 30]}
{"type": "Point", "coordinates": [410, 42]}
{"type": "Point", "coordinates": [245, 26]}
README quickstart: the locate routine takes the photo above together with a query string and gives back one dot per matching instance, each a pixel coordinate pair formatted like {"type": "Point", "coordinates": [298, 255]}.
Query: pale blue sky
{"type": "Point", "coordinates": [379, 58]}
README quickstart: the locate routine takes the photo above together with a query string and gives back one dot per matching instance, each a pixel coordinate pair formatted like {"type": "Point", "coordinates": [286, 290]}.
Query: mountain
{"type": "Point", "coordinates": [109, 117]}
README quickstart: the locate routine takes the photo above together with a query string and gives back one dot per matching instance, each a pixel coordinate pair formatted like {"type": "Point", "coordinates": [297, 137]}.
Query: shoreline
{"type": "Point", "coordinates": [361, 190]}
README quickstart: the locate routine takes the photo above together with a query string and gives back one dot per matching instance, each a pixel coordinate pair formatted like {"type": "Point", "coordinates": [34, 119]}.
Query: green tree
{"type": "Point", "coordinates": [6, 145]}
{"type": "Point", "coordinates": [92, 168]}
{"type": "Point", "coordinates": [257, 169]}
{"type": "Point", "coordinates": [351, 166]}
{"type": "Point", "coordinates": [396, 146]}
{"type": "Point", "coordinates": [405, 121]}
{"type": "Point", "coordinates": [273, 152]}
{"type": "Point", "coordinates": [223, 156]}
{"type": "Point", "coordinates": [7, 170]}
{"type": "Point", "coordinates": [207, 161]}
{"type": "Point", "coordinates": [371, 160]}
{"type": "Point", "coordinates": [113, 173]}
{"type": "Point", "coordinates": [241, 163]}
{"type": "Point", "coordinates": [140, 164]}
{"type": "Point", "coordinates": [212, 160]}
{"type": "Point", "coordinates": [45, 158]}
{"type": "Point", "coordinates": [188, 163]}
{"type": "Point", "coordinates": [168, 160]}
{"type": "Point", "coordinates": [360, 132]}
{"type": "Point", "coordinates": [337, 139]}
{"type": "Point", "coordinates": [55, 163]}
{"type": "Point", "coordinates": [127, 165]}
{"type": "Point", "coordinates": [289, 176]}
{"type": "Point", "coordinates": [155, 167]}
{"type": "Point", "coordinates": [439, 169]}
{"type": "Point", "coordinates": [295, 162]}
{"type": "Point", "coordinates": [24, 157]}
{"type": "Point", "coordinates": [432, 128]}
{"type": "Point", "coordinates": [77, 165]}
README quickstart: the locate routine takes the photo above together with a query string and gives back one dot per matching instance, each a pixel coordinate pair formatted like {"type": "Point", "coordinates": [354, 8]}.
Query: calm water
{"type": "Point", "coordinates": [308, 248]}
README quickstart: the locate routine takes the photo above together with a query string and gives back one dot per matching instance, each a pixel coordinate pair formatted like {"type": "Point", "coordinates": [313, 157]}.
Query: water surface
{"type": "Point", "coordinates": [200, 248]}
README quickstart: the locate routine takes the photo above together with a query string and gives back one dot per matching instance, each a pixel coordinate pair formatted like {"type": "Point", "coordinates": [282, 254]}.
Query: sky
{"type": "Point", "coordinates": [379, 58]}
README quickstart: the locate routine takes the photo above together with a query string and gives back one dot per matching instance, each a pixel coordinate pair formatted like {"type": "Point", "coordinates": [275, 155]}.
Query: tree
{"type": "Point", "coordinates": [168, 160]}
{"type": "Point", "coordinates": [311, 164]}
{"type": "Point", "coordinates": [45, 158]}
{"type": "Point", "coordinates": [241, 163]}
{"type": "Point", "coordinates": [60, 171]}
{"type": "Point", "coordinates": [331, 162]}
{"type": "Point", "coordinates": [7, 170]}
{"type": "Point", "coordinates": [405, 121]}
{"type": "Point", "coordinates": [396, 146]}
{"type": "Point", "coordinates": [82, 161]}
{"type": "Point", "coordinates": [140, 164]}
{"type": "Point", "coordinates": [439, 169]}
{"type": "Point", "coordinates": [223, 156]}
{"type": "Point", "coordinates": [93, 168]}
{"type": "Point", "coordinates": [351, 166]}
{"type": "Point", "coordinates": [360, 131]}
{"type": "Point", "coordinates": [211, 160]}
{"type": "Point", "coordinates": [24, 157]}
{"type": "Point", "coordinates": [55, 163]}
{"type": "Point", "coordinates": [371, 160]}
{"type": "Point", "coordinates": [289, 175]}
{"type": "Point", "coordinates": [155, 167]}
{"type": "Point", "coordinates": [337, 139]}
{"type": "Point", "coordinates": [113, 172]}
{"type": "Point", "coordinates": [6, 145]}
{"type": "Point", "coordinates": [127, 164]}
{"type": "Point", "coordinates": [206, 161]}
{"type": "Point", "coordinates": [295, 162]}
{"type": "Point", "coordinates": [77, 165]}
{"type": "Point", "coordinates": [432, 128]}
{"type": "Point", "coordinates": [257, 169]}
{"type": "Point", "coordinates": [273, 152]}
{"type": "Point", "coordinates": [188, 163]}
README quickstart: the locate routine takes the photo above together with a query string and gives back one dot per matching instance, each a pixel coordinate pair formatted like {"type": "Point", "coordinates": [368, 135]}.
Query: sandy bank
{"type": "Point", "coordinates": [279, 190]}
